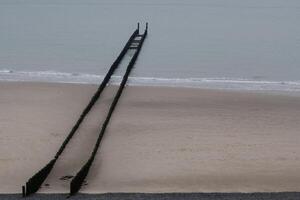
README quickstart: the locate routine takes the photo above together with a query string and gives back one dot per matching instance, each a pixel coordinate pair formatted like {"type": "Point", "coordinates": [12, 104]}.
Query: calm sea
{"type": "Point", "coordinates": [243, 44]}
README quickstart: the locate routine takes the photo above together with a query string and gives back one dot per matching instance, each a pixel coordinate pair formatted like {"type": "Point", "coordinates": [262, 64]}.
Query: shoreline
{"type": "Point", "coordinates": [160, 139]}
{"type": "Point", "coordinates": [223, 83]}
{"type": "Point", "coordinates": [116, 84]}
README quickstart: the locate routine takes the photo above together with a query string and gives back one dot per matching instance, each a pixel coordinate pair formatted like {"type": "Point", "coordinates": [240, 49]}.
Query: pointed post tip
{"type": "Point", "coordinates": [23, 191]}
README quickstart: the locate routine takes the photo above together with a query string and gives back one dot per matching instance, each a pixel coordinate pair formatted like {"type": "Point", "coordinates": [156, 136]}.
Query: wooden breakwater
{"type": "Point", "coordinates": [35, 182]}
{"type": "Point", "coordinates": [81, 175]}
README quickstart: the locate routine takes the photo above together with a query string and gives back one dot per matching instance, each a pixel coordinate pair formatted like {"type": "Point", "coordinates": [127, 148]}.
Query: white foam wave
{"type": "Point", "coordinates": [210, 83]}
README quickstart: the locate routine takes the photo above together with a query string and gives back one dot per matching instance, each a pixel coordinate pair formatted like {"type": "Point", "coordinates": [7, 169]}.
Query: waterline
{"type": "Point", "coordinates": [209, 83]}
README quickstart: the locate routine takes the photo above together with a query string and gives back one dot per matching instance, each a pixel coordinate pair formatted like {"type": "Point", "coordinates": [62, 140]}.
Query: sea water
{"type": "Point", "coordinates": [232, 44]}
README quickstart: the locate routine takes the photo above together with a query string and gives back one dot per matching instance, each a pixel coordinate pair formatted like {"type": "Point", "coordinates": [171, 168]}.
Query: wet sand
{"type": "Point", "coordinates": [159, 139]}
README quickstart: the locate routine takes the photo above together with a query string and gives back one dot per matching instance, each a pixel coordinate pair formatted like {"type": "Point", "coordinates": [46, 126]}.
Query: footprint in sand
{"type": "Point", "coordinates": [65, 178]}
{"type": "Point", "coordinates": [68, 177]}
{"type": "Point", "coordinates": [84, 183]}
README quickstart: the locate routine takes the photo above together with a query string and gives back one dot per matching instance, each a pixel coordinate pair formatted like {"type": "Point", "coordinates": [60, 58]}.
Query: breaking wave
{"type": "Point", "coordinates": [210, 83]}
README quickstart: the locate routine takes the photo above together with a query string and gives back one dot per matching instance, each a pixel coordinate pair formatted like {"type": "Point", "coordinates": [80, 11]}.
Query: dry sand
{"type": "Point", "coordinates": [159, 139]}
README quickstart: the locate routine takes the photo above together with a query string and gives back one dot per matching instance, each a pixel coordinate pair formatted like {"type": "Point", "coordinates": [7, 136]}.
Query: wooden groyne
{"type": "Point", "coordinates": [35, 182]}
{"type": "Point", "coordinates": [81, 175]}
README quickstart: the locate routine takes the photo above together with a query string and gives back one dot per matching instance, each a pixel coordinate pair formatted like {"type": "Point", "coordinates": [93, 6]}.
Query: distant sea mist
{"type": "Point", "coordinates": [195, 43]}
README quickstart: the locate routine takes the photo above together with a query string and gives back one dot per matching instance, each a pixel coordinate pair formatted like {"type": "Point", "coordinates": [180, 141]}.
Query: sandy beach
{"type": "Point", "coordinates": [160, 139]}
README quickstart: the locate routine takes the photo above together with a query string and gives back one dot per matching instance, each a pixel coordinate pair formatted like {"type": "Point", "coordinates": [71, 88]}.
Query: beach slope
{"type": "Point", "coordinates": [160, 139]}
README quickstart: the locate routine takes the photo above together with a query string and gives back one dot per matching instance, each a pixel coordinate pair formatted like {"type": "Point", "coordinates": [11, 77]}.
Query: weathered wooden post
{"type": "Point", "coordinates": [23, 191]}
{"type": "Point", "coordinates": [146, 26]}
{"type": "Point", "coordinates": [138, 28]}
